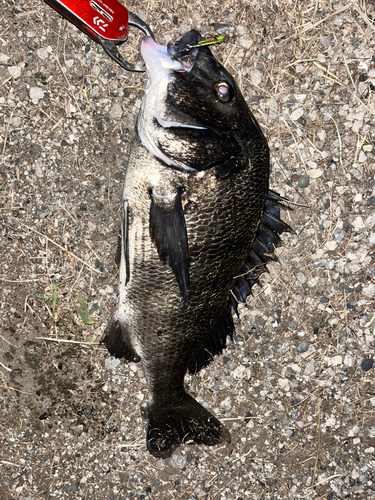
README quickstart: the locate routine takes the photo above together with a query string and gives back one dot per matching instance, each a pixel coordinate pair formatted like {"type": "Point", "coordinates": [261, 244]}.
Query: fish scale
{"type": "Point", "coordinates": [190, 228]}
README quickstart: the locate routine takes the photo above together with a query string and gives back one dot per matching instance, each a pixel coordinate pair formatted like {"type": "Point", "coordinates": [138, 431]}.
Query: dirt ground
{"type": "Point", "coordinates": [296, 388]}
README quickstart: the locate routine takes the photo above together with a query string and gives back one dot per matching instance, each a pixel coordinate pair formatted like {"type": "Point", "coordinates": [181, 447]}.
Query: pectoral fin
{"type": "Point", "coordinates": [169, 235]}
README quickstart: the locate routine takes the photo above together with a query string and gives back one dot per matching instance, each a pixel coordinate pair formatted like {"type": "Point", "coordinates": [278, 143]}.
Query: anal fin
{"type": "Point", "coordinates": [114, 338]}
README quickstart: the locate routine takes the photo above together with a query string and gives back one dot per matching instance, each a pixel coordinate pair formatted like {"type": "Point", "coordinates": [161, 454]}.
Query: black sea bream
{"type": "Point", "coordinates": [197, 213]}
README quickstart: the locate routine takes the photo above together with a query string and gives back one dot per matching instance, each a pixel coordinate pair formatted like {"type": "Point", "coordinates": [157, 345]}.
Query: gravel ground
{"type": "Point", "coordinates": [296, 388]}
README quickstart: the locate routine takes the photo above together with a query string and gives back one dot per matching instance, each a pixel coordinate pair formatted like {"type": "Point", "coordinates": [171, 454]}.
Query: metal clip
{"type": "Point", "coordinates": [104, 22]}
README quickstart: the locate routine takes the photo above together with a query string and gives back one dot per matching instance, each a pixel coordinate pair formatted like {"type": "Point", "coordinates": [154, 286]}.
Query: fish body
{"type": "Point", "coordinates": [196, 214]}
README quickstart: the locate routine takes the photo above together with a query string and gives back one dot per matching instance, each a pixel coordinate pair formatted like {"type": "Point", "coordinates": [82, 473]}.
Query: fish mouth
{"type": "Point", "coordinates": [178, 57]}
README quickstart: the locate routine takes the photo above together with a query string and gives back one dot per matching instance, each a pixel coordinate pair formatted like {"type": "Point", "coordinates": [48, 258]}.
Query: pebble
{"type": "Point", "coordinates": [362, 157]}
{"type": "Point", "coordinates": [303, 346]}
{"type": "Point", "coordinates": [42, 53]}
{"type": "Point", "coordinates": [301, 278]}
{"type": "Point", "coordinates": [303, 181]}
{"type": "Point", "coordinates": [226, 404]}
{"type": "Point", "coordinates": [330, 421]}
{"type": "Point", "coordinates": [336, 360]}
{"type": "Point", "coordinates": [36, 94]}
{"type": "Point", "coordinates": [331, 245]}
{"type": "Point", "coordinates": [367, 364]}
{"type": "Point", "coordinates": [296, 114]}
{"type": "Point", "coordinates": [339, 235]}
{"type": "Point", "coordinates": [369, 290]}
{"type": "Point", "coordinates": [245, 43]}
{"type": "Point", "coordinates": [349, 360]}
{"type": "Point", "coordinates": [358, 223]}
{"type": "Point", "coordinates": [178, 461]}
{"type": "Point", "coordinates": [4, 58]}
{"type": "Point", "coordinates": [310, 369]}
{"type": "Point", "coordinates": [116, 111]}
{"type": "Point", "coordinates": [256, 77]}
{"type": "Point", "coordinates": [315, 173]}
{"type": "Point", "coordinates": [111, 363]}
{"type": "Point", "coordinates": [283, 384]}
{"type": "Point", "coordinates": [222, 28]}
{"type": "Point", "coordinates": [14, 71]}
{"type": "Point", "coordinates": [355, 429]}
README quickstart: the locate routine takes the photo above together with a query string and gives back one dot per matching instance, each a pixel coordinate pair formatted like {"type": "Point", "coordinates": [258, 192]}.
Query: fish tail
{"type": "Point", "coordinates": [168, 428]}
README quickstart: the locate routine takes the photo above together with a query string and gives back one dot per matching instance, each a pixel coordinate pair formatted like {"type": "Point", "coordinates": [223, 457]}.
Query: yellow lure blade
{"type": "Point", "coordinates": [209, 40]}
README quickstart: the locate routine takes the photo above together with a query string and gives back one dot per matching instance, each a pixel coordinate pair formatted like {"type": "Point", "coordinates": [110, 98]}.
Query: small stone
{"type": "Point", "coordinates": [362, 157]}
{"type": "Point", "coordinates": [358, 223]}
{"type": "Point", "coordinates": [42, 53]}
{"type": "Point", "coordinates": [38, 171]}
{"type": "Point", "coordinates": [296, 114]}
{"type": "Point", "coordinates": [303, 181]}
{"type": "Point", "coordinates": [283, 384]}
{"type": "Point", "coordinates": [16, 121]}
{"type": "Point", "coordinates": [330, 421]}
{"type": "Point", "coordinates": [349, 360]}
{"type": "Point", "coordinates": [15, 71]}
{"type": "Point", "coordinates": [303, 346]}
{"type": "Point", "coordinates": [111, 363]}
{"type": "Point", "coordinates": [221, 28]}
{"type": "Point", "coordinates": [226, 404]}
{"type": "Point", "coordinates": [367, 364]}
{"type": "Point", "coordinates": [292, 324]}
{"type": "Point", "coordinates": [339, 235]}
{"type": "Point", "coordinates": [336, 360]}
{"type": "Point", "coordinates": [356, 429]}
{"type": "Point", "coordinates": [4, 58]}
{"type": "Point", "coordinates": [36, 94]}
{"type": "Point", "coordinates": [301, 278]}
{"type": "Point", "coordinates": [256, 77]}
{"type": "Point", "coordinates": [331, 245]}
{"type": "Point", "coordinates": [369, 290]}
{"type": "Point", "coordinates": [245, 43]}
{"type": "Point", "coordinates": [315, 173]}
{"type": "Point", "coordinates": [116, 111]}
{"type": "Point", "coordinates": [310, 369]}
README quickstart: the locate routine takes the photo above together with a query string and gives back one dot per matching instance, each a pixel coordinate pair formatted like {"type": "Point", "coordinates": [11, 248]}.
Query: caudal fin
{"type": "Point", "coordinates": [168, 428]}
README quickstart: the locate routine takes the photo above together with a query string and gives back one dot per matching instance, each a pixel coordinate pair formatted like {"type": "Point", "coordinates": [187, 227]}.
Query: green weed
{"type": "Point", "coordinates": [86, 314]}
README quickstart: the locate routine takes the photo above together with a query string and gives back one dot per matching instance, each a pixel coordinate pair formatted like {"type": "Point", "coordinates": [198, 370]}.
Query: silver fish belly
{"type": "Point", "coordinates": [196, 213]}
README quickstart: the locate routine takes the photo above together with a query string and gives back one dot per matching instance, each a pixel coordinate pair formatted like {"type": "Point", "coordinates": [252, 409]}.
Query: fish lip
{"type": "Point", "coordinates": [164, 58]}
{"type": "Point", "coordinates": [157, 59]}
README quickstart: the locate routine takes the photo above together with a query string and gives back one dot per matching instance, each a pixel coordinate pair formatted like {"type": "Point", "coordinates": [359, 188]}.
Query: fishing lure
{"type": "Point", "coordinates": [209, 40]}
{"type": "Point", "coordinates": [179, 51]}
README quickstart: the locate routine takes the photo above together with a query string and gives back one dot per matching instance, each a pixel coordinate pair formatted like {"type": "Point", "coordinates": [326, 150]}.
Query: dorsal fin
{"type": "Point", "coordinates": [262, 251]}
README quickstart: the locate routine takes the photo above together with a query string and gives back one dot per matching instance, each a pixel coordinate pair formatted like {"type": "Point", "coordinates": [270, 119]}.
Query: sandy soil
{"type": "Point", "coordinates": [296, 388]}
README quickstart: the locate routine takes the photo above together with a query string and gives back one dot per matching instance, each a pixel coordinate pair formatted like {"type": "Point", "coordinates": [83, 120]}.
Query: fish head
{"type": "Point", "coordinates": [193, 114]}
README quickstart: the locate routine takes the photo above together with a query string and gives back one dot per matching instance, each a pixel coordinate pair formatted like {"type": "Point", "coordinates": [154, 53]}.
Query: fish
{"type": "Point", "coordinates": [198, 225]}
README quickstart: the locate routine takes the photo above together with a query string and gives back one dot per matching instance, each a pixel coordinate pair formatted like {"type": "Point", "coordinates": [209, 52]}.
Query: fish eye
{"type": "Point", "coordinates": [223, 91]}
